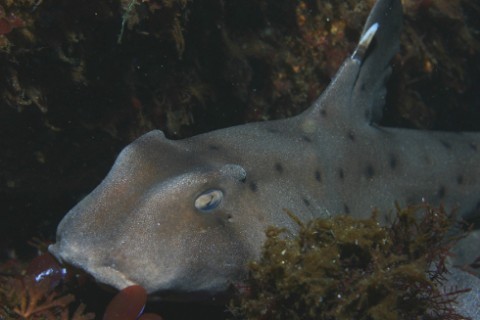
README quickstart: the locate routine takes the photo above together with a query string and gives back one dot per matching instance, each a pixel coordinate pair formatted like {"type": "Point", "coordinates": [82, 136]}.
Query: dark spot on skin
{"type": "Point", "coordinates": [278, 167]}
{"type": "Point", "coordinates": [253, 186]}
{"type": "Point", "coordinates": [318, 176]}
{"type": "Point", "coordinates": [272, 130]}
{"type": "Point", "coordinates": [441, 192]}
{"type": "Point", "coordinates": [369, 171]}
{"type": "Point", "coordinates": [362, 87]}
{"type": "Point", "coordinates": [341, 174]}
{"type": "Point", "coordinates": [346, 208]}
{"type": "Point", "coordinates": [229, 218]}
{"type": "Point", "coordinates": [307, 139]}
{"type": "Point", "coordinates": [323, 113]}
{"type": "Point", "coordinates": [392, 161]}
{"type": "Point", "coordinates": [446, 144]}
{"type": "Point", "coordinates": [473, 146]}
{"type": "Point", "coordinates": [220, 221]}
{"type": "Point", "coordinates": [428, 160]}
{"type": "Point", "coordinates": [460, 179]}
{"type": "Point", "coordinates": [213, 147]}
{"type": "Point", "coordinates": [351, 136]}
{"type": "Point", "coordinates": [307, 203]}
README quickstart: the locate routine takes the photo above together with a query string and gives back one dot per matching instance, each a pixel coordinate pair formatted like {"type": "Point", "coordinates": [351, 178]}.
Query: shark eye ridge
{"type": "Point", "coordinates": [209, 200]}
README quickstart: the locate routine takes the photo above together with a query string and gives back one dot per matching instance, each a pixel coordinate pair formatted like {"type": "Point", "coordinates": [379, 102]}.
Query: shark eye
{"type": "Point", "coordinates": [209, 200]}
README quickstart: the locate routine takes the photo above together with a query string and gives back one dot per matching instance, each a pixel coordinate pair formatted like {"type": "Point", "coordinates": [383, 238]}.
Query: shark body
{"type": "Point", "coordinates": [183, 217]}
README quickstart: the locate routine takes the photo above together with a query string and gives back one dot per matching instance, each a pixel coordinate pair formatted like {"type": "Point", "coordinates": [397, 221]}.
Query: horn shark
{"type": "Point", "coordinates": [182, 218]}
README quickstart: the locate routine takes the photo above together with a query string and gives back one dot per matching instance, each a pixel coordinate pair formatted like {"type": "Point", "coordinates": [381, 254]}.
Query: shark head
{"type": "Point", "coordinates": [163, 218]}
{"type": "Point", "coordinates": [185, 217]}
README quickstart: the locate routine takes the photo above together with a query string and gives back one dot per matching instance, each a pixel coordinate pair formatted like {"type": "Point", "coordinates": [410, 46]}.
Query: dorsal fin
{"type": "Point", "coordinates": [356, 95]}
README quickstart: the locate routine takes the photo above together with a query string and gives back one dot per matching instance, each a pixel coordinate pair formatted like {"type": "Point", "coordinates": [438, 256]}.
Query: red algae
{"type": "Point", "coordinates": [5, 26]}
{"type": "Point", "coordinates": [128, 304]}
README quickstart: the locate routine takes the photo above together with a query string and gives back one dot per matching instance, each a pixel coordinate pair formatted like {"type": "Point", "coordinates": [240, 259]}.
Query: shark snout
{"type": "Point", "coordinates": [107, 271]}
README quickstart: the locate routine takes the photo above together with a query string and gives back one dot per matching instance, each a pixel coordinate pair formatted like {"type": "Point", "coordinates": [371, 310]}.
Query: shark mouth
{"type": "Point", "coordinates": [106, 274]}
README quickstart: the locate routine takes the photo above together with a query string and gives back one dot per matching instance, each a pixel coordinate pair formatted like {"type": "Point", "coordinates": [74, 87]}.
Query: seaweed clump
{"type": "Point", "coordinates": [37, 291]}
{"type": "Point", "coordinates": [343, 268]}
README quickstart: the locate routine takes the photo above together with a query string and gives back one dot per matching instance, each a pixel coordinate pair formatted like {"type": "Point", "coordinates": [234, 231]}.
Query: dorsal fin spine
{"type": "Point", "coordinates": [364, 43]}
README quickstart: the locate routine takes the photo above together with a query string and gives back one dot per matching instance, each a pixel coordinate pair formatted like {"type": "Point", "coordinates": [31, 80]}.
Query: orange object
{"type": "Point", "coordinates": [128, 304]}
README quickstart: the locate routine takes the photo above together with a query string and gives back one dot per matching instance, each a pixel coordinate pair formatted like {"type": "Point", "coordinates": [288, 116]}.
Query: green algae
{"type": "Point", "coordinates": [343, 268]}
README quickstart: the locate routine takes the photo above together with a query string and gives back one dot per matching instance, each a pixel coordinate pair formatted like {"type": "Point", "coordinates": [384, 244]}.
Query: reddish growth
{"type": "Point", "coordinates": [9, 22]}
{"type": "Point", "coordinates": [128, 304]}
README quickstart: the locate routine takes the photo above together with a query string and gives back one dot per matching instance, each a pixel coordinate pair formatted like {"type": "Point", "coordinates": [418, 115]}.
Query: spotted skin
{"type": "Point", "coordinates": [145, 224]}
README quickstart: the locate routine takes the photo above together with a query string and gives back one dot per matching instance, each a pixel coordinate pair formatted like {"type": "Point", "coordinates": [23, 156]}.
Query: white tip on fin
{"type": "Point", "coordinates": [364, 42]}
